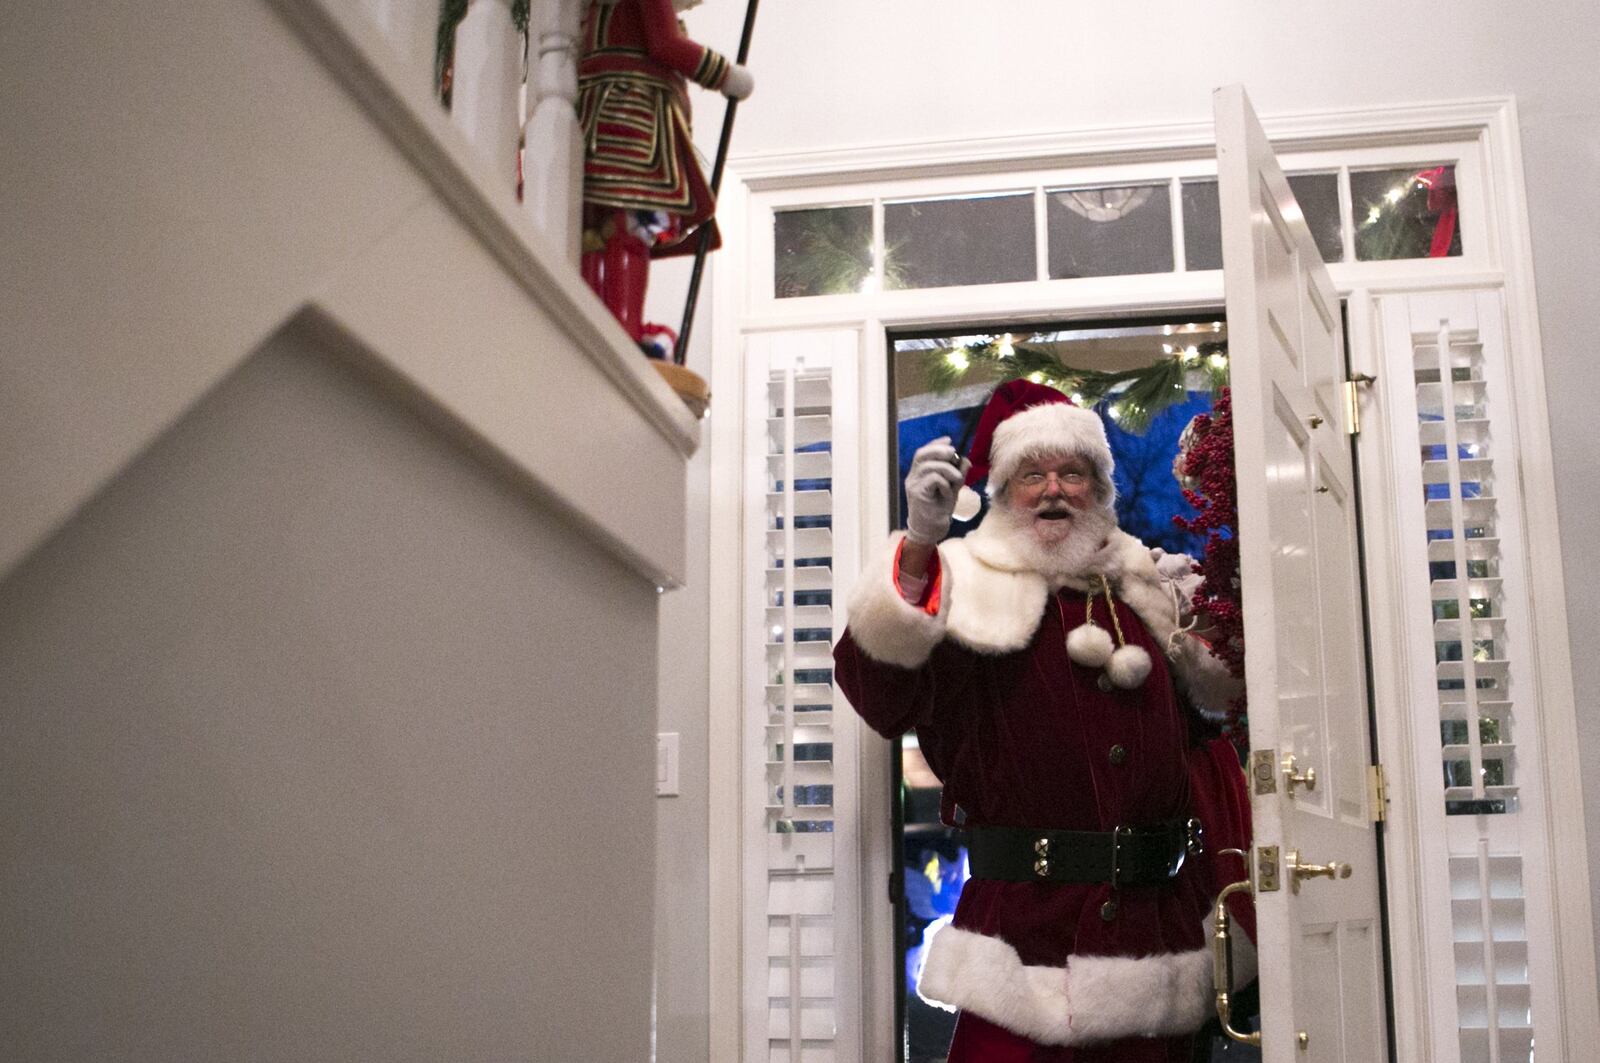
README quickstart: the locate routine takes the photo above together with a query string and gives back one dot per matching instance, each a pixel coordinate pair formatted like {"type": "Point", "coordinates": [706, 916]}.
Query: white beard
{"type": "Point", "coordinates": [1066, 549]}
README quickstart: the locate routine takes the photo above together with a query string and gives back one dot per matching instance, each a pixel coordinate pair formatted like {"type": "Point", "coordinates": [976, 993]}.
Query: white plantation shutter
{"type": "Point", "coordinates": [1474, 725]}
{"type": "Point", "coordinates": [801, 893]}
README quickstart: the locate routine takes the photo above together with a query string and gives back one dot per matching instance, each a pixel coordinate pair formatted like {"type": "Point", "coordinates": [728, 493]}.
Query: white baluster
{"type": "Point", "coordinates": [552, 165]}
{"type": "Point", "coordinates": [412, 29]}
{"type": "Point", "coordinates": [486, 91]}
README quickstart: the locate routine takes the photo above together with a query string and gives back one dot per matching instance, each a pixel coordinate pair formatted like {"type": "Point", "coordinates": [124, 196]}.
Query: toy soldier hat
{"type": "Point", "coordinates": [1024, 420]}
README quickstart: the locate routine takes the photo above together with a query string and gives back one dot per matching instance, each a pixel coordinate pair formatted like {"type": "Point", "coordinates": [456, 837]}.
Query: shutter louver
{"type": "Point", "coordinates": [1476, 606]}
{"type": "Point", "coordinates": [798, 894]}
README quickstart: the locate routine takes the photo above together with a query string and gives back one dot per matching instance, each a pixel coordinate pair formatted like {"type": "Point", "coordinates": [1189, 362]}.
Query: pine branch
{"type": "Point", "coordinates": [1134, 395]}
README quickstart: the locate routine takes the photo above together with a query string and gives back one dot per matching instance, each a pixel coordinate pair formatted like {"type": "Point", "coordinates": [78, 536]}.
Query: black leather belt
{"type": "Point", "coordinates": [1127, 856]}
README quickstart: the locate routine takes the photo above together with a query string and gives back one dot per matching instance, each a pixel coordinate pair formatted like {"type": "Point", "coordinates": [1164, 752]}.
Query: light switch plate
{"type": "Point", "coordinates": [667, 764]}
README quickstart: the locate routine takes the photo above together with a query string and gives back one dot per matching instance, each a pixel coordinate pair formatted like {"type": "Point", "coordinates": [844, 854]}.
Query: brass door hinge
{"type": "Point", "coordinates": [1352, 402]}
{"type": "Point", "coordinates": [1378, 793]}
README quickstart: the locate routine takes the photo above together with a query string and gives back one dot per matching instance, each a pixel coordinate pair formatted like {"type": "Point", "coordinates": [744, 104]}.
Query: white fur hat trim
{"type": "Point", "coordinates": [1053, 428]}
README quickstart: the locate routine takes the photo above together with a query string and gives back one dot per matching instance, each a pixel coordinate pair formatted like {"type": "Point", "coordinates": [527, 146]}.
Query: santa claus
{"type": "Point", "coordinates": [1049, 664]}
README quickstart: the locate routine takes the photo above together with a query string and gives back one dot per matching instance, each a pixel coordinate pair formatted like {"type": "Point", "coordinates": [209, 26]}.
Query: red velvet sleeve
{"type": "Point", "coordinates": [892, 700]}
{"type": "Point", "coordinates": [666, 43]}
{"type": "Point", "coordinates": [1220, 799]}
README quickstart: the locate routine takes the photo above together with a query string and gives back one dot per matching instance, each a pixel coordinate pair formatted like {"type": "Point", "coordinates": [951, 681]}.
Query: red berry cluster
{"type": "Point", "coordinates": [1208, 463]}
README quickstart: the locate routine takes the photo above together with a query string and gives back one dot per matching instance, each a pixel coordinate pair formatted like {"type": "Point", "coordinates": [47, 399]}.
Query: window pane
{"type": "Point", "coordinates": [1318, 196]}
{"type": "Point", "coordinates": [1405, 213]}
{"type": "Point", "coordinates": [1109, 232]}
{"type": "Point", "coordinates": [937, 243]}
{"type": "Point", "coordinates": [1202, 225]}
{"type": "Point", "coordinates": [822, 251]}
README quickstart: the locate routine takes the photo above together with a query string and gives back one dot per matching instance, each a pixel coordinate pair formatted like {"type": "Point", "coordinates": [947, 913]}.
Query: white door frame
{"type": "Point", "coordinates": [741, 304]}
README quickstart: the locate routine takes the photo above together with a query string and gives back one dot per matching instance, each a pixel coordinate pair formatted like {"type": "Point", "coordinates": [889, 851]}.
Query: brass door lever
{"type": "Point", "coordinates": [1298, 872]}
{"type": "Point", "coordinates": [1292, 778]}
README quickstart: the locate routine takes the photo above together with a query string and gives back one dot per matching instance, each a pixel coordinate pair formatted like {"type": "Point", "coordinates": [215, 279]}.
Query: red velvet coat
{"type": "Point", "coordinates": [1022, 736]}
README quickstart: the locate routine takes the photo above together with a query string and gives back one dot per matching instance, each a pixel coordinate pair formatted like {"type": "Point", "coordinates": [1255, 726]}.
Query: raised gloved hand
{"type": "Point", "coordinates": [740, 83]}
{"type": "Point", "coordinates": [936, 475]}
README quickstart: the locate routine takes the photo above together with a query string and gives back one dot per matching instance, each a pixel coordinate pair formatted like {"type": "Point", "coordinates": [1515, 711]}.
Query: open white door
{"type": "Point", "coordinates": [1319, 941]}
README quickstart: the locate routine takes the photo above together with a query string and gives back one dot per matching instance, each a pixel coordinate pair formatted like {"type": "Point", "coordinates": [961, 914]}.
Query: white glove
{"type": "Point", "coordinates": [739, 83]}
{"type": "Point", "coordinates": [936, 475]}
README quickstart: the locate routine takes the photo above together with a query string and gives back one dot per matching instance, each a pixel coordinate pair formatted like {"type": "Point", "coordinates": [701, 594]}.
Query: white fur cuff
{"type": "Point", "coordinates": [1092, 999]}
{"type": "Point", "coordinates": [886, 626]}
{"type": "Point", "coordinates": [1212, 689]}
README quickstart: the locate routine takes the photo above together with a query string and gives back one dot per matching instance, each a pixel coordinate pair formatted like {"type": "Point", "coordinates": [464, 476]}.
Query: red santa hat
{"type": "Point", "coordinates": [1024, 420]}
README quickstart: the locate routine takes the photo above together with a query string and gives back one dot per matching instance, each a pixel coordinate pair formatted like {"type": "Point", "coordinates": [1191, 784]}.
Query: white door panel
{"type": "Point", "coordinates": [1320, 940]}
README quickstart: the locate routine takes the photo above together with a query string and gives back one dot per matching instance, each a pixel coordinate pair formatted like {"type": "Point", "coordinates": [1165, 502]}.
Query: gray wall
{"type": "Point", "coordinates": [838, 73]}
{"type": "Point", "coordinates": [682, 824]}
{"type": "Point", "coordinates": [683, 912]}
{"type": "Point", "coordinates": [318, 740]}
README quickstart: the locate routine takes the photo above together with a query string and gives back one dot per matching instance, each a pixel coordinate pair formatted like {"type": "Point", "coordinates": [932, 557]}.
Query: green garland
{"type": "Point", "coordinates": [451, 12]}
{"type": "Point", "coordinates": [1135, 395]}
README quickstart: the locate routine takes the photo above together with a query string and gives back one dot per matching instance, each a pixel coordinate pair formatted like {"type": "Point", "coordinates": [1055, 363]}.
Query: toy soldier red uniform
{"type": "Point", "coordinates": [644, 191]}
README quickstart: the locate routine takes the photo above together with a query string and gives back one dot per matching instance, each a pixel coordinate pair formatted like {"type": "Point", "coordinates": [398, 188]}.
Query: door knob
{"type": "Point", "coordinates": [1299, 872]}
{"type": "Point", "coordinates": [1292, 778]}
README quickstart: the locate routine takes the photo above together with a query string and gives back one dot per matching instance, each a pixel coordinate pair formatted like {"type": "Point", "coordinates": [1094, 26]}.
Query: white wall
{"type": "Point", "coordinates": [840, 73]}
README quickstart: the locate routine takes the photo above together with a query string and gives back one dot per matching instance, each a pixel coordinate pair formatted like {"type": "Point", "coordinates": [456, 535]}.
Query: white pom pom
{"type": "Point", "coordinates": [1129, 667]}
{"type": "Point", "coordinates": [1090, 645]}
{"type": "Point", "coordinates": [967, 504]}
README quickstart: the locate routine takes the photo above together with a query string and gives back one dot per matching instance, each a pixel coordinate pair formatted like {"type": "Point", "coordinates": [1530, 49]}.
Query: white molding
{"type": "Point", "coordinates": [1063, 300]}
{"type": "Point", "coordinates": [854, 895]}
{"type": "Point", "coordinates": [878, 1039]}
{"type": "Point", "coordinates": [352, 48]}
{"type": "Point", "coordinates": [1308, 131]}
{"type": "Point", "coordinates": [1556, 701]}
{"type": "Point", "coordinates": [725, 649]}
{"type": "Point", "coordinates": [1379, 456]}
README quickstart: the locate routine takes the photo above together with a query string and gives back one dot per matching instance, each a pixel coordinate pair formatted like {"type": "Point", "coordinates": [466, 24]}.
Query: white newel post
{"type": "Point", "coordinates": [412, 30]}
{"type": "Point", "coordinates": [552, 189]}
{"type": "Point", "coordinates": [486, 92]}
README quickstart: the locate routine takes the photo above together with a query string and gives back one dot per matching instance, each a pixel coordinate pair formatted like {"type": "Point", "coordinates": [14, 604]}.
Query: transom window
{"type": "Point", "coordinates": [1164, 221]}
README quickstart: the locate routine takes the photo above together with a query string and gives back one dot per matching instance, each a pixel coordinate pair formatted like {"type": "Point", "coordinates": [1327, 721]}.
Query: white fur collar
{"type": "Point", "coordinates": [1001, 600]}
{"type": "Point", "coordinates": [991, 603]}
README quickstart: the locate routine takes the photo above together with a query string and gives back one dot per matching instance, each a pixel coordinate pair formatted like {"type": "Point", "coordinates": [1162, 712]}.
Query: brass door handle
{"type": "Point", "coordinates": [1299, 872]}
{"type": "Point", "coordinates": [1222, 959]}
{"type": "Point", "coordinates": [1292, 778]}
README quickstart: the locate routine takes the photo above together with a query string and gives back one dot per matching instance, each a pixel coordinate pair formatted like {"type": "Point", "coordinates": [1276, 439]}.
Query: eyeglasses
{"type": "Point", "coordinates": [1065, 479]}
